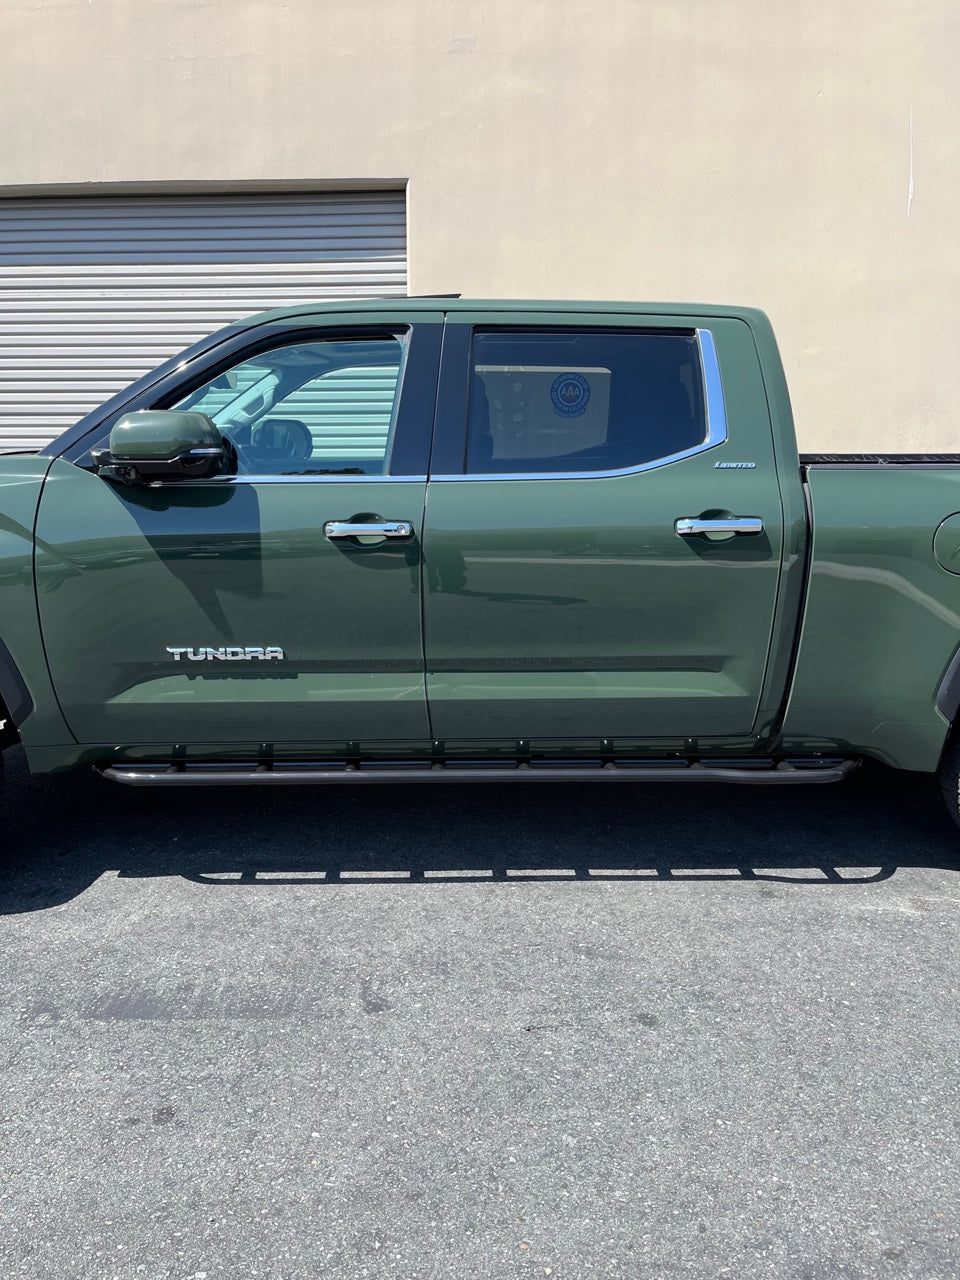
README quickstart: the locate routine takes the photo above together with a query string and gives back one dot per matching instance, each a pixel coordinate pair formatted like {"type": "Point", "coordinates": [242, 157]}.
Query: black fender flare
{"type": "Point", "coordinates": [15, 700]}
{"type": "Point", "coordinates": [948, 690]}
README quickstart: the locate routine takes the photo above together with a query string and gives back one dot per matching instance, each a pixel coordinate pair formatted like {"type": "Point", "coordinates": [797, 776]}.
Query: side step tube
{"type": "Point", "coordinates": [755, 773]}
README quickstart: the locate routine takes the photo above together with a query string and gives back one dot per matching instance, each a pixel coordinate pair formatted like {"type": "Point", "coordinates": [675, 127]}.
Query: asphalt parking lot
{"type": "Point", "coordinates": [483, 1031]}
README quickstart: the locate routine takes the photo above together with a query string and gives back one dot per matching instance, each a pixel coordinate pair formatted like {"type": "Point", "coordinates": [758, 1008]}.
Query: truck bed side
{"type": "Point", "coordinates": [881, 622]}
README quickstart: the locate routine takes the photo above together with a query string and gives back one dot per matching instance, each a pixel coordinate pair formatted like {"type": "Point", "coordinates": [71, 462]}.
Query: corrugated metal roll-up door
{"type": "Point", "coordinates": [96, 291]}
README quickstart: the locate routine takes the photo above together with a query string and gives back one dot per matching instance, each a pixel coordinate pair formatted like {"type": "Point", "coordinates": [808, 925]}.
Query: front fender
{"type": "Point", "coordinates": [27, 694]}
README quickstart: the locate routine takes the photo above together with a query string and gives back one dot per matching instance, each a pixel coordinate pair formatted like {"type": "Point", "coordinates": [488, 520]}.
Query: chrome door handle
{"type": "Point", "coordinates": [386, 529]}
{"type": "Point", "coordinates": [690, 526]}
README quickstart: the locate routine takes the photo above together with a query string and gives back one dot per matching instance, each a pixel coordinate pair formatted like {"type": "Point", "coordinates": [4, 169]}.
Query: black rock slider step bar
{"type": "Point", "coordinates": [751, 772]}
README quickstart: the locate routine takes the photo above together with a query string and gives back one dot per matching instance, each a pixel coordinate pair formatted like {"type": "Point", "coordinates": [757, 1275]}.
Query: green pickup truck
{"type": "Point", "coordinates": [433, 539]}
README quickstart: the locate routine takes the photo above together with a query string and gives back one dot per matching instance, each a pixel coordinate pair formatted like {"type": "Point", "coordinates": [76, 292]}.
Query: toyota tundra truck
{"type": "Point", "coordinates": [439, 540]}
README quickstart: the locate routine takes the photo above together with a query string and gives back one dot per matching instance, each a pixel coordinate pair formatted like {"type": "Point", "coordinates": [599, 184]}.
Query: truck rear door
{"type": "Point", "coordinates": [603, 531]}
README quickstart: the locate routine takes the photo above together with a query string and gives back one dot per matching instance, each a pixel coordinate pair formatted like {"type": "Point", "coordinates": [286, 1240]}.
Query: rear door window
{"type": "Point", "coordinates": [567, 402]}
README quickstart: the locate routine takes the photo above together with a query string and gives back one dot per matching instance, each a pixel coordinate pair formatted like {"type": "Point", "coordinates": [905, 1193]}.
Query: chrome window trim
{"type": "Point", "coordinates": [712, 389]}
{"type": "Point", "coordinates": [714, 413]}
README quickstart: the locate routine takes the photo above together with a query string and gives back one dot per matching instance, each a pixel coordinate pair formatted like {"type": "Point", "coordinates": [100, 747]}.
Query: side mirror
{"type": "Point", "coordinates": [162, 444]}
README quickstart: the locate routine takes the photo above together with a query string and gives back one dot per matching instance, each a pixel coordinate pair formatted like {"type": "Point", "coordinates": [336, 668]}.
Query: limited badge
{"type": "Point", "coordinates": [570, 395]}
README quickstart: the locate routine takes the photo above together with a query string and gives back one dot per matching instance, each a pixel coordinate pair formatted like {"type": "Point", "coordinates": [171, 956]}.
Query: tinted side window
{"type": "Point", "coordinates": [310, 408]}
{"type": "Point", "coordinates": [543, 402]}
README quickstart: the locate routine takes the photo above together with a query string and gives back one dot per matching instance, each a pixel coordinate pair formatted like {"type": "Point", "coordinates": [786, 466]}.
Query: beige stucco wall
{"type": "Point", "coordinates": [731, 151]}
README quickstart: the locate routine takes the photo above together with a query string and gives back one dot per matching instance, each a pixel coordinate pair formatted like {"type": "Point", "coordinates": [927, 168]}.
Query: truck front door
{"type": "Point", "coordinates": [240, 609]}
{"type": "Point", "coordinates": [603, 534]}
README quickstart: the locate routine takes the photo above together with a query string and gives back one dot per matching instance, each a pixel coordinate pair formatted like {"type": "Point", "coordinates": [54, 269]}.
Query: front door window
{"type": "Point", "coordinates": [309, 408]}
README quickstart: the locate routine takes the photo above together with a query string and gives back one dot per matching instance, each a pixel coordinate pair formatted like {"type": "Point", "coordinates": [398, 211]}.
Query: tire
{"type": "Point", "coordinates": [948, 775]}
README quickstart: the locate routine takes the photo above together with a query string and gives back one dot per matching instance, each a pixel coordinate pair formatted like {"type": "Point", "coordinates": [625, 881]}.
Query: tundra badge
{"type": "Point", "coordinates": [231, 653]}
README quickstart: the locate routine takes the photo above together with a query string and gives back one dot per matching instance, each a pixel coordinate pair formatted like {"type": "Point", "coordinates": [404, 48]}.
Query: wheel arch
{"type": "Point", "coordinates": [15, 700]}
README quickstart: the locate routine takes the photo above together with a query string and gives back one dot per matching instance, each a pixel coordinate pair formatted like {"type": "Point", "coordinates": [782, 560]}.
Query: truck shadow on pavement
{"type": "Point", "coordinates": [61, 832]}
